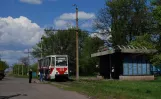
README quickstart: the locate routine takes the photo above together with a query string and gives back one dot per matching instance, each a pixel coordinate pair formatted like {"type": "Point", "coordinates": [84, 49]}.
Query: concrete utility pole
{"type": "Point", "coordinates": [28, 59]}
{"type": "Point", "coordinates": [13, 70]}
{"type": "Point", "coordinates": [22, 69]}
{"type": "Point", "coordinates": [18, 69]}
{"type": "Point", "coordinates": [41, 47]}
{"type": "Point", "coordinates": [77, 50]}
{"type": "Point", "coordinates": [110, 66]}
{"type": "Point", "coordinates": [0, 57]}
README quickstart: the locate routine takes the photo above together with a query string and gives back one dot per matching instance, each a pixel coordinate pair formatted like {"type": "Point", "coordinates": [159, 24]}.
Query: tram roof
{"type": "Point", "coordinates": [53, 56]}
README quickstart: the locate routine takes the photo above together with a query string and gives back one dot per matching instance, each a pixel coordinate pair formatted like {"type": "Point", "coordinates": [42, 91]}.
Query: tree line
{"type": "Point", "coordinates": [23, 66]}
{"type": "Point", "coordinates": [3, 65]}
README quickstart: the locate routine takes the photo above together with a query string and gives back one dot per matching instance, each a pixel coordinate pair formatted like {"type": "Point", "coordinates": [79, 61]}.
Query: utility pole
{"type": "Point", "coordinates": [0, 57]}
{"type": "Point", "coordinates": [28, 59]}
{"type": "Point", "coordinates": [18, 69]}
{"type": "Point", "coordinates": [22, 69]}
{"type": "Point", "coordinates": [77, 50]}
{"type": "Point", "coordinates": [41, 47]}
{"type": "Point", "coordinates": [41, 57]}
{"type": "Point", "coordinates": [13, 69]}
{"type": "Point", "coordinates": [110, 65]}
{"type": "Point", "coordinates": [28, 52]}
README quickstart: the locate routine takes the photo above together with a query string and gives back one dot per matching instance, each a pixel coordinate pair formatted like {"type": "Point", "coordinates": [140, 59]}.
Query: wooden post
{"type": "Point", "coordinates": [22, 69]}
{"type": "Point", "coordinates": [18, 69]}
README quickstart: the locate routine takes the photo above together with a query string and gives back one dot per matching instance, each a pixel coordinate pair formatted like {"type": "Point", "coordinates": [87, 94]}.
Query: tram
{"type": "Point", "coordinates": [54, 67]}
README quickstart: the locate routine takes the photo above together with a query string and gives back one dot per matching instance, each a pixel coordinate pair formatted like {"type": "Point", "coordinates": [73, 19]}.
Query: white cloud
{"type": "Point", "coordinates": [60, 23]}
{"type": "Point", "coordinates": [86, 25]}
{"type": "Point", "coordinates": [52, 0]}
{"type": "Point", "coordinates": [67, 20]}
{"type": "Point", "coordinates": [16, 34]}
{"type": "Point", "coordinates": [32, 1]}
{"type": "Point", "coordinates": [19, 31]}
{"type": "Point", "coordinates": [102, 35]}
{"type": "Point", "coordinates": [63, 24]}
{"type": "Point", "coordinates": [81, 15]}
{"type": "Point", "coordinates": [12, 56]}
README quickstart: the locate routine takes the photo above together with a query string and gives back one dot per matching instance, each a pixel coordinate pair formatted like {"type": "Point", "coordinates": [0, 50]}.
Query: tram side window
{"type": "Point", "coordinates": [53, 61]}
{"type": "Point", "coordinates": [49, 61]}
{"type": "Point", "coordinates": [39, 63]}
{"type": "Point", "coordinates": [42, 63]}
{"type": "Point", "coordinates": [45, 62]}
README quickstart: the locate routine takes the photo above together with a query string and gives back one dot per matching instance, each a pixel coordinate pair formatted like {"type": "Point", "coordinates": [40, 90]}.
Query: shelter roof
{"type": "Point", "coordinates": [123, 49]}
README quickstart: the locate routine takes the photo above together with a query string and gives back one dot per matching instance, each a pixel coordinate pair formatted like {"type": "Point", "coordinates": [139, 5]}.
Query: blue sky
{"type": "Point", "coordinates": [44, 13]}
{"type": "Point", "coordinates": [22, 21]}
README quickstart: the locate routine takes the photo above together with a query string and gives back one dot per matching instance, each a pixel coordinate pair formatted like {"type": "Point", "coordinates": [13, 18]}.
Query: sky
{"type": "Point", "coordinates": [22, 22]}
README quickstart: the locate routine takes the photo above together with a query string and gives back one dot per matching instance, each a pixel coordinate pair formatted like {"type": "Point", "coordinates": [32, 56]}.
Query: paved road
{"type": "Point", "coordinates": [21, 89]}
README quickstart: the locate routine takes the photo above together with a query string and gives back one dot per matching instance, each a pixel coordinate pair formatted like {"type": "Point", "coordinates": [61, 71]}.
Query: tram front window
{"type": "Point", "coordinates": [61, 61]}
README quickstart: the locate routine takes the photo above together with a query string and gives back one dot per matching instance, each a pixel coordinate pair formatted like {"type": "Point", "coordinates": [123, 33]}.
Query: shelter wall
{"type": "Point", "coordinates": [134, 64]}
{"type": "Point", "coordinates": [109, 62]}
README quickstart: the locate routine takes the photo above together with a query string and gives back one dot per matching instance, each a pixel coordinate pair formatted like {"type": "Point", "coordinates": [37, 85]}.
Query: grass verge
{"type": "Point", "coordinates": [114, 89]}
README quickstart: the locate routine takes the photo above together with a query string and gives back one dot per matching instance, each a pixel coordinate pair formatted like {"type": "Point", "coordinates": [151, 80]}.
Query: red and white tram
{"type": "Point", "coordinates": [54, 66]}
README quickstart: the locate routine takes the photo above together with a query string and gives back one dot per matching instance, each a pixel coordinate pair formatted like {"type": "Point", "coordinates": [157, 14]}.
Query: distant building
{"type": "Point", "coordinates": [125, 63]}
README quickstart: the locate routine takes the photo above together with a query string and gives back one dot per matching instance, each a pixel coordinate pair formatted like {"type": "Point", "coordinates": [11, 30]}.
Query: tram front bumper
{"type": "Point", "coordinates": [61, 75]}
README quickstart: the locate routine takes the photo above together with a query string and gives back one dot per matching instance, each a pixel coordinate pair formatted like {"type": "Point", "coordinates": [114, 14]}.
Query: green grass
{"type": "Point", "coordinates": [110, 89]}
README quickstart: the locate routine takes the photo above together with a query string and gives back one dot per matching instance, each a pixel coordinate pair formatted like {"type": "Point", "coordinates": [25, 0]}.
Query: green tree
{"type": "Point", "coordinates": [3, 65]}
{"type": "Point", "coordinates": [17, 68]}
{"type": "Point", "coordinates": [64, 42]}
{"type": "Point", "coordinates": [156, 60]}
{"type": "Point", "coordinates": [144, 40]}
{"type": "Point", "coordinates": [34, 67]}
{"type": "Point", "coordinates": [88, 64]}
{"type": "Point", "coordinates": [60, 42]}
{"type": "Point", "coordinates": [153, 40]}
{"type": "Point", "coordinates": [126, 18]}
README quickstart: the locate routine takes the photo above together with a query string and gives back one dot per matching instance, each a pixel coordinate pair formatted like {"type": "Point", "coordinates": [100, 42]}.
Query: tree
{"type": "Point", "coordinates": [3, 65]}
{"type": "Point", "coordinates": [156, 60]}
{"type": "Point", "coordinates": [88, 64]}
{"type": "Point", "coordinates": [63, 42]}
{"type": "Point", "coordinates": [144, 40]}
{"type": "Point", "coordinates": [24, 61]}
{"type": "Point", "coordinates": [17, 68]}
{"type": "Point", "coordinates": [153, 40]}
{"type": "Point", "coordinates": [126, 18]}
{"type": "Point", "coordinates": [34, 67]}
{"type": "Point", "coordinates": [60, 42]}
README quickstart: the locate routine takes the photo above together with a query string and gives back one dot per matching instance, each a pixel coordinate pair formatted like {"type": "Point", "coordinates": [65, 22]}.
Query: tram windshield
{"type": "Point", "coordinates": [61, 61]}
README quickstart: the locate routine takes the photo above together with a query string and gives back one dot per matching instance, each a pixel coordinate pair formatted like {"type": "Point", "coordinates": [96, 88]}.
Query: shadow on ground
{"type": "Point", "coordinates": [62, 80]}
{"type": "Point", "coordinates": [11, 96]}
{"type": "Point", "coordinates": [6, 79]}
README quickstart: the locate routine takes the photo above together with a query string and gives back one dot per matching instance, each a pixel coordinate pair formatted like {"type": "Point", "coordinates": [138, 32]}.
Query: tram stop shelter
{"type": "Point", "coordinates": [125, 63]}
